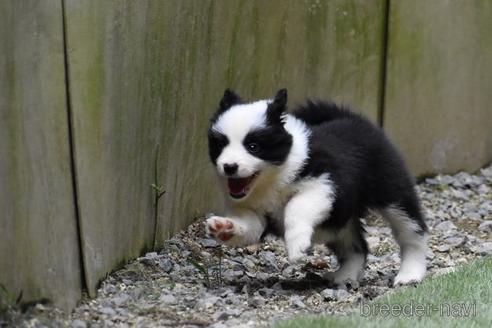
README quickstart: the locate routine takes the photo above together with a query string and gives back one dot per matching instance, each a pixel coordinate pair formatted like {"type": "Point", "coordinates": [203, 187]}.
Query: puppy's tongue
{"type": "Point", "coordinates": [238, 187]}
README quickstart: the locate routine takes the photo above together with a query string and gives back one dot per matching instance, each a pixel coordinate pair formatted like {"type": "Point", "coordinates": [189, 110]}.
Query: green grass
{"type": "Point", "coordinates": [459, 299]}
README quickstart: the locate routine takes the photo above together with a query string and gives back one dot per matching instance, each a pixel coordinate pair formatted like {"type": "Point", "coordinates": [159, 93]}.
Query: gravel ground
{"type": "Point", "coordinates": [193, 282]}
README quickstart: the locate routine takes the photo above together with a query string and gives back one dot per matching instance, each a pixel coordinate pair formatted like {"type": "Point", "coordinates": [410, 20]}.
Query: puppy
{"type": "Point", "coordinates": [309, 176]}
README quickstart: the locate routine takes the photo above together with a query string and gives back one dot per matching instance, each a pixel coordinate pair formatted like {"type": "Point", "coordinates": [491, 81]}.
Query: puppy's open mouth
{"type": "Point", "coordinates": [239, 187]}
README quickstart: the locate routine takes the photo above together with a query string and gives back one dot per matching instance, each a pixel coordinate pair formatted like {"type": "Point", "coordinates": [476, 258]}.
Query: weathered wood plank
{"type": "Point", "coordinates": [117, 94]}
{"type": "Point", "coordinates": [39, 254]}
{"type": "Point", "coordinates": [439, 84]}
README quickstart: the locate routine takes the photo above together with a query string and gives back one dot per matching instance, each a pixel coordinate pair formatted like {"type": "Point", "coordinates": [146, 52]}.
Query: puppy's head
{"type": "Point", "coordinates": [248, 140]}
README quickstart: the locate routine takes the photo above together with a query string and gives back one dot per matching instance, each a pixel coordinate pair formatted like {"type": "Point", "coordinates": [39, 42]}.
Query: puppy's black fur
{"type": "Point", "coordinates": [366, 168]}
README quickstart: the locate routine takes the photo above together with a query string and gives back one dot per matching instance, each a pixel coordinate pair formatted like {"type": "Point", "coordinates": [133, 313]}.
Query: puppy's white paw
{"type": "Point", "coordinates": [296, 248]}
{"type": "Point", "coordinates": [220, 228]}
{"type": "Point", "coordinates": [295, 256]}
{"type": "Point", "coordinates": [408, 278]}
{"type": "Point", "coordinates": [412, 270]}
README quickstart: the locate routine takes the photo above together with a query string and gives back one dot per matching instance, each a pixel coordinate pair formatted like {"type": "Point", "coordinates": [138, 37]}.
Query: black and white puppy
{"type": "Point", "coordinates": [309, 176]}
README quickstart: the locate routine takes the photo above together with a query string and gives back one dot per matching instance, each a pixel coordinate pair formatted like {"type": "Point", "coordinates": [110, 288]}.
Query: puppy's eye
{"type": "Point", "coordinates": [253, 147]}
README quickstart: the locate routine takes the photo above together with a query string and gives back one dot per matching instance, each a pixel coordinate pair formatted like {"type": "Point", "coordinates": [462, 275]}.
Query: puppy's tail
{"type": "Point", "coordinates": [318, 112]}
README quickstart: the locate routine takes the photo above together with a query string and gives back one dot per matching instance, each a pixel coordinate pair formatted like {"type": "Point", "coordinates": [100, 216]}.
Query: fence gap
{"type": "Point", "coordinates": [384, 63]}
{"type": "Point", "coordinates": [73, 167]}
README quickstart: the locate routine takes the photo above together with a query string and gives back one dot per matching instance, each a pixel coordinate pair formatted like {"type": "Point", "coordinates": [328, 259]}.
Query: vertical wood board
{"type": "Point", "coordinates": [39, 254]}
{"type": "Point", "coordinates": [439, 84]}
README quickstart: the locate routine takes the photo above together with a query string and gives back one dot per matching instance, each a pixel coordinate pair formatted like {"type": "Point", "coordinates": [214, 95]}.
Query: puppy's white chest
{"type": "Point", "coordinates": [274, 206]}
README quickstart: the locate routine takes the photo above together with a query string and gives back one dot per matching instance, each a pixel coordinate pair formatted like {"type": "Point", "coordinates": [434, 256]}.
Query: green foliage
{"type": "Point", "coordinates": [8, 300]}
{"type": "Point", "coordinates": [159, 192]}
{"type": "Point", "coordinates": [211, 268]}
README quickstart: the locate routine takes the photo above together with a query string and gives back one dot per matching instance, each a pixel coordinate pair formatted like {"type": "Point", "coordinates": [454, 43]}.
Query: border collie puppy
{"type": "Point", "coordinates": [309, 176]}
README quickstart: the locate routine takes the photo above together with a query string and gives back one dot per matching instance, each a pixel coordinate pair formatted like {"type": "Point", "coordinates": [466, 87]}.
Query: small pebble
{"type": "Point", "coordinates": [166, 265]}
{"type": "Point", "coordinates": [443, 248]}
{"type": "Point", "coordinates": [257, 301]}
{"type": "Point", "coordinates": [484, 248]}
{"type": "Point", "coordinates": [206, 242]}
{"type": "Point", "coordinates": [168, 299]}
{"type": "Point", "coordinates": [454, 241]}
{"type": "Point", "coordinates": [445, 226]}
{"type": "Point", "coordinates": [486, 226]}
{"type": "Point", "coordinates": [121, 299]}
{"type": "Point", "coordinates": [77, 323]}
{"type": "Point", "coordinates": [107, 310]}
{"type": "Point", "coordinates": [297, 302]}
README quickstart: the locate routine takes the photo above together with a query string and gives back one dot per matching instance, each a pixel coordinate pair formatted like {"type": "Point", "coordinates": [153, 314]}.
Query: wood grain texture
{"type": "Point", "coordinates": [145, 74]}
{"type": "Point", "coordinates": [39, 254]}
{"type": "Point", "coordinates": [439, 82]}
{"type": "Point", "coordinates": [317, 49]}
{"type": "Point", "coordinates": [116, 88]}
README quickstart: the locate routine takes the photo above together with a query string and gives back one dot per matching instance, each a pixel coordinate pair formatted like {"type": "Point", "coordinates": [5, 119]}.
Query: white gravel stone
{"type": "Point", "coordinates": [454, 240]}
{"type": "Point", "coordinates": [121, 299]}
{"type": "Point", "coordinates": [443, 248]}
{"type": "Point", "coordinates": [484, 248]}
{"type": "Point", "coordinates": [486, 225]}
{"type": "Point", "coordinates": [77, 323]}
{"type": "Point", "coordinates": [296, 301]}
{"type": "Point", "coordinates": [168, 299]}
{"type": "Point", "coordinates": [107, 310]}
{"type": "Point", "coordinates": [445, 226]}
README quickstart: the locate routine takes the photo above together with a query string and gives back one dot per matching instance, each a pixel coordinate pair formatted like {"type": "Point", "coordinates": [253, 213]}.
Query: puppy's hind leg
{"type": "Point", "coordinates": [351, 250]}
{"type": "Point", "coordinates": [409, 230]}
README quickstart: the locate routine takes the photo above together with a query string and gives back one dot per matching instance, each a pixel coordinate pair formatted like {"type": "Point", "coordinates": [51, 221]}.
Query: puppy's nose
{"type": "Point", "coordinates": [230, 169]}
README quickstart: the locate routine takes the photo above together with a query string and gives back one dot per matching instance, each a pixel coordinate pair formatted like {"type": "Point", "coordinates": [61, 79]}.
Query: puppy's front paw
{"type": "Point", "coordinates": [222, 229]}
{"type": "Point", "coordinates": [296, 248]}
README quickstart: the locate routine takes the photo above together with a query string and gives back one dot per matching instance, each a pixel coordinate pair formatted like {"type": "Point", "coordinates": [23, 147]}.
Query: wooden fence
{"type": "Point", "coordinates": [101, 99]}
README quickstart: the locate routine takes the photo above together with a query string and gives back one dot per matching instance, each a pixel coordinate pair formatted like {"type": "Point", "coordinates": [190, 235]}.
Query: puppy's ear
{"type": "Point", "coordinates": [229, 99]}
{"type": "Point", "coordinates": [277, 107]}
{"type": "Point", "coordinates": [281, 97]}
